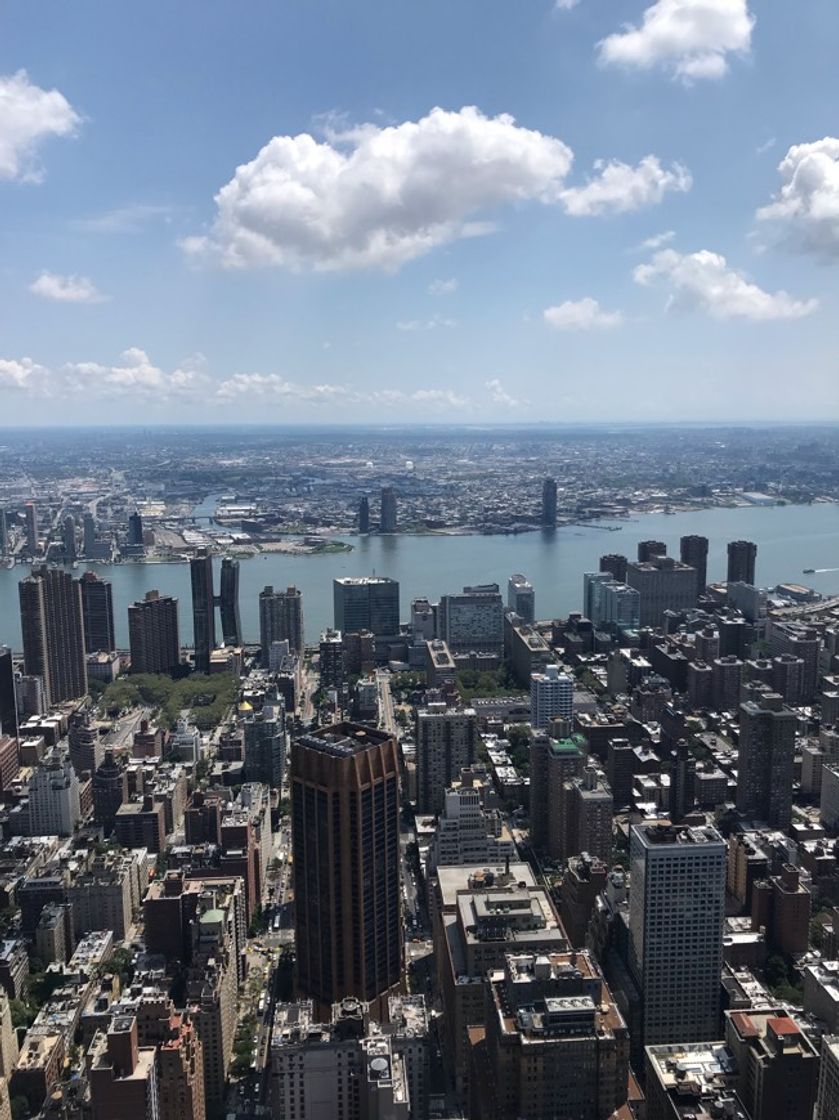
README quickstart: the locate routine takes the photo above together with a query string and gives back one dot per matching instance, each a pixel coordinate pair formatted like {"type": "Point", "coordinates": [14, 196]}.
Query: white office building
{"type": "Point", "coordinates": [467, 835]}
{"type": "Point", "coordinates": [54, 808]}
{"type": "Point", "coordinates": [676, 915]}
{"type": "Point", "coordinates": [551, 694]}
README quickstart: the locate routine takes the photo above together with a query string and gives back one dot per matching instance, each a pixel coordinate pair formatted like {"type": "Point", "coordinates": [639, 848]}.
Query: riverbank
{"type": "Point", "coordinates": [789, 539]}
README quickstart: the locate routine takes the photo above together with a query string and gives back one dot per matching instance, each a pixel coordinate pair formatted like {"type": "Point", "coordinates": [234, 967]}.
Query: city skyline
{"type": "Point", "coordinates": [548, 206]}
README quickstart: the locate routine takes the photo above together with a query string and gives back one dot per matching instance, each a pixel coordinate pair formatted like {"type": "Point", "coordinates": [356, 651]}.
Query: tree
{"type": "Point", "coordinates": [20, 1108]}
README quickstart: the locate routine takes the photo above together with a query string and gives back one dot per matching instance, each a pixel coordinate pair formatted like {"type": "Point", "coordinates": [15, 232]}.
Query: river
{"type": "Point", "coordinates": [789, 539]}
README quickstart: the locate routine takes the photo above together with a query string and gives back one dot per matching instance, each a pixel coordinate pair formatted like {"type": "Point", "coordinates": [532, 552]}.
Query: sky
{"type": "Point", "coordinates": [455, 211]}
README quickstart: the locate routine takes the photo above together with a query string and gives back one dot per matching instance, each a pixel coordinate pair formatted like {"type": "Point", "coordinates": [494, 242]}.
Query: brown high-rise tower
{"type": "Point", "coordinates": [153, 634]}
{"type": "Point", "coordinates": [345, 830]}
{"type": "Point", "coordinates": [53, 633]}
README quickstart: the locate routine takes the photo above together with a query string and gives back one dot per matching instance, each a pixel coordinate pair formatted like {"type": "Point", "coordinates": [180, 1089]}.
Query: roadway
{"type": "Point", "coordinates": [387, 715]}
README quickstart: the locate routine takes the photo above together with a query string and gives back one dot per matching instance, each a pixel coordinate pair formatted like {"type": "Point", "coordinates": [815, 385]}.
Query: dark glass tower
{"type": "Point", "coordinates": [741, 562]}
{"type": "Point", "coordinates": [387, 523]}
{"type": "Point", "coordinates": [8, 700]}
{"type": "Point", "coordinates": [203, 609]}
{"type": "Point", "coordinates": [231, 624]}
{"type": "Point", "coordinates": [135, 529]}
{"type": "Point", "coordinates": [345, 833]}
{"type": "Point", "coordinates": [549, 502]}
{"type": "Point", "coordinates": [364, 515]}
{"type": "Point", "coordinates": [693, 550]}
{"type": "Point", "coordinates": [98, 613]}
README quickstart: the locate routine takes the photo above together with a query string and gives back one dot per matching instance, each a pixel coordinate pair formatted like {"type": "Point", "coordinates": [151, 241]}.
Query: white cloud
{"type": "Point", "coordinates": [657, 241]}
{"type": "Point", "coordinates": [268, 386]}
{"type": "Point", "coordinates": [581, 315]}
{"type": "Point", "coordinates": [23, 374]}
{"type": "Point", "coordinates": [66, 289]}
{"type": "Point", "coordinates": [806, 208]}
{"type": "Point", "coordinates": [425, 324]}
{"type": "Point", "coordinates": [271, 385]}
{"type": "Point", "coordinates": [443, 287]}
{"type": "Point", "coordinates": [135, 375]}
{"type": "Point", "coordinates": [437, 399]}
{"type": "Point", "coordinates": [28, 116]}
{"type": "Point", "coordinates": [378, 197]}
{"type": "Point", "coordinates": [499, 395]}
{"type": "Point", "coordinates": [766, 146]}
{"type": "Point", "coordinates": [703, 281]}
{"type": "Point", "coordinates": [690, 38]}
{"type": "Point", "coordinates": [618, 187]}
{"type": "Point", "coordinates": [125, 219]}
{"type": "Point", "coordinates": [566, 5]}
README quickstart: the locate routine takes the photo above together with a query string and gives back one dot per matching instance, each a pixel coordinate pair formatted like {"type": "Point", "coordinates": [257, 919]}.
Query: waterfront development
{"type": "Point", "coordinates": [789, 538]}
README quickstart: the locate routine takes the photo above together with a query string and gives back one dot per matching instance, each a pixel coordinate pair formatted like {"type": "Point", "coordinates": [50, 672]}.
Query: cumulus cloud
{"type": "Point", "coordinates": [437, 399]}
{"type": "Point", "coordinates": [377, 197]}
{"type": "Point", "coordinates": [581, 315]}
{"type": "Point", "coordinates": [271, 385]}
{"type": "Point", "coordinates": [425, 324]}
{"type": "Point", "coordinates": [565, 5]}
{"type": "Point", "coordinates": [499, 395]}
{"type": "Point", "coordinates": [806, 209]}
{"type": "Point", "coordinates": [66, 289]}
{"type": "Point", "coordinates": [690, 38]}
{"type": "Point", "coordinates": [658, 240]}
{"type": "Point", "coordinates": [23, 374]}
{"type": "Point", "coordinates": [135, 375]}
{"type": "Point", "coordinates": [618, 187]}
{"type": "Point", "coordinates": [703, 281]}
{"type": "Point", "coordinates": [28, 116]}
{"type": "Point", "coordinates": [443, 287]}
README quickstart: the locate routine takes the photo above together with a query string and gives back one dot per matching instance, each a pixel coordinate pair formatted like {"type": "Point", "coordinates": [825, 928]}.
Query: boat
{"type": "Point", "coordinates": [809, 571]}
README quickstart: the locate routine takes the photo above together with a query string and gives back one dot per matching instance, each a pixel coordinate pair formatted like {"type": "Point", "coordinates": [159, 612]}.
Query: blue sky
{"type": "Point", "coordinates": [621, 210]}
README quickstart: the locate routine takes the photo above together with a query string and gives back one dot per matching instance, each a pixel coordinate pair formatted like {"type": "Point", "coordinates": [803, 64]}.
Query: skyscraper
{"type": "Point", "coordinates": [741, 562]}
{"type": "Point", "coordinates": [549, 503]}
{"type": "Point", "coordinates": [280, 620]}
{"type": "Point", "coordinates": [766, 759]}
{"type": "Point", "coordinates": [4, 533]}
{"type": "Point", "coordinates": [366, 603]}
{"type": "Point", "coordinates": [693, 551]}
{"type": "Point", "coordinates": [676, 915]}
{"type": "Point", "coordinates": [616, 564]}
{"type": "Point", "coordinates": [364, 514]}
{"type": "Point", "coordinates": [472, 620]}
{"type": "Point", "coordinates": [31, 514]}
{"type": "Point", "coordinates": [663, 584]}
{"type": "Point", "coordinates": [98, 613]}
{"type": "Point", "coordinates": [231, 625]}
{"type": "Point", "coordinates": [8, 697]}
{"type": "Point", "coordinates": [89, 535]}
{"type": "Point", "coordinates": [647, 550]}
{"type": "Point", "coordinates": [521, 598]}
{"type": "Point", "coordinates": [203, 609]}
{"type": "Point", "coordinates": [135, 529]}
{"type": "Point", "coordinates": [345, 837]}
{"type": "Point", "coordinates": [69, 539]}
{"type": "Point", "coordinates": [551, 694]}
{"type": "Point", "coordinates": [153, 634]}
{"type": "Point", "coordinates": [447, 741]}
{"type": "Point", "coordinates": [827, 1102]}
{"type": "Point", "coordinates": [53, 633]}
{"type": "Point", "coordinates": [387, 521]}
